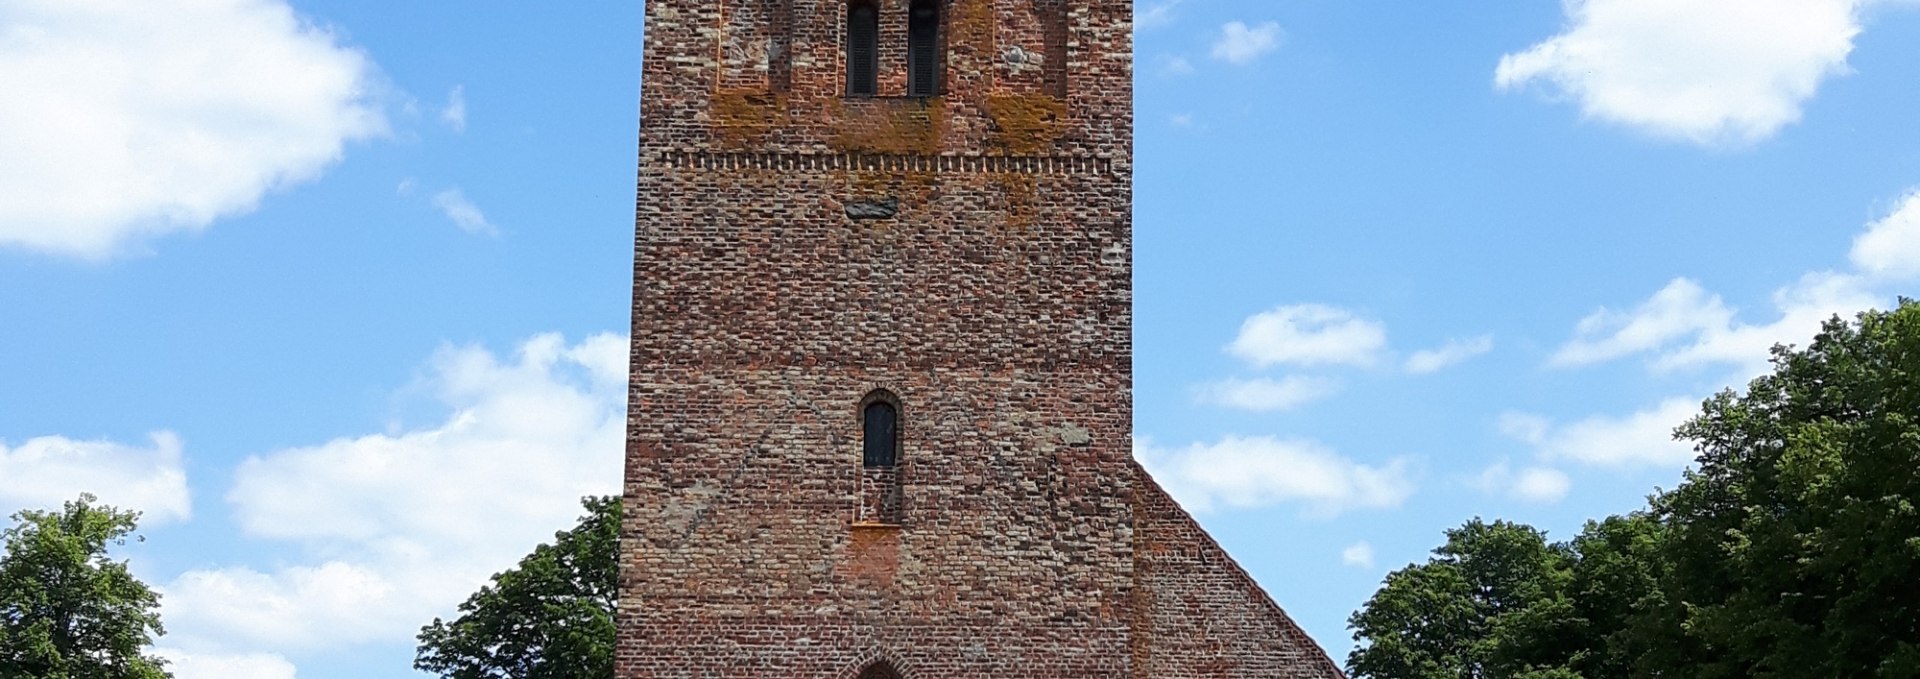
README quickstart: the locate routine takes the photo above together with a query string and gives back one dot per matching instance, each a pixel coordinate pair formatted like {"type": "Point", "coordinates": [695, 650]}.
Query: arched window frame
{"type": "Point", "coordinates": [885, 456]}
{"type": "Point", "coordinates": [924, 62]}
{"type": "Point", "coordinates": [863, 48]}
{"type": "Point", "coordinates": [880, 669]}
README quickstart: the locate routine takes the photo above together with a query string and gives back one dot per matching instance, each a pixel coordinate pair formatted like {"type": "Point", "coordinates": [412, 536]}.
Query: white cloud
{"type": "Point", "coordinates": [48, 471]}
{"type": "Point", "coordinates": [464, 213]}
{"type": "Point", "coordinates": [1253, 472]}
{"type": "Point", "coordinates": [1309, 334]}
{"type": "Point", "coordinates": [1156, 15]}
{"type": "Point", "coordinates": [1890, 248]}
{"type": "Point", "coordinates": [1640, 439]}
{"type": "Point", "coordinates": [1239, 43]}
{"type": "Point", "coordinates": [1525, 427]}
{"type": "Point", "coordinates": [1266, 395]}
{"type": "Point", "coordinates": [1680, 309]}
{"type": "Point", "coordinates": [1175, 65]}
{"type": "Point", "coordinates": [1541, 485]}
{"type": "Point", "coordinates": [455, 113]}
{"type": "Point", "coordinates": [1704, 71]}
{"type": "Point", "coordinates": [403, 526]}
{"type": "Point", "coordinates": [1358, 555]}
{"type": "Point", "coordinates": [1452, 353]}
{"type": "Point", "coordinates": [336, 603]}
{"type": "Point", "coordinates": [1802, 308]}
{"type": "Point", "coordinates": [1687, 327]}
{"type": "Point", "coordinates": [184, 665]}
{"type": "Point", "coordinates": [1537, 485]}
{"type": "Point", "coordinates": [126, 120]}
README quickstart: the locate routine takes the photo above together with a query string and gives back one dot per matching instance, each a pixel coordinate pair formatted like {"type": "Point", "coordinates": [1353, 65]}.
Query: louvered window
{"type": "Point", "coordinates": [882, 433]}
{"type": "Point", "coordinates": [863, 49]}
{"type": "Point", "coordinates": [923, 49]}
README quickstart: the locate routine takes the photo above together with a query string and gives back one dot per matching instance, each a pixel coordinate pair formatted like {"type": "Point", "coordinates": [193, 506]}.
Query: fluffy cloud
{"type": "Point", "coordinates": [1680, 309]}
{"type": "Point", "coordinates": [1686, 327]}
{"type": "Point", "coordinates": [1541, 485]}
{"type": "Point", "coordinates": [1538, 485]}
{"type": "Point", "coordinates": [132, 119]}
{"type": "Point", "coordinates": [185, 665]}
{"type": "Point", "coordinates": [47, 471]}
{"type": "Point", "coordinates": [1309, 334]}
{"type": "Point", "coordinates": [464, 213]}
{"type": "Point", "coordinates": [1253, 472]}
{"type": "Point", "coordinates": [1266, 395]}
{"type": "Point", "coordinates": [1640, 439]}
{"type": "Point", "coordinates": [1890, 248]}
{"type": "Point", "coordinates": [402, 526]}
{"type": "Point", "coordinates": [1239, 43]}
{"type": "Point", "coordinates": [1358, 555]}
{"type": "Point", "coordinates": [1705, 71]}
{"type": "Point", "coordinates": [1452, 353]}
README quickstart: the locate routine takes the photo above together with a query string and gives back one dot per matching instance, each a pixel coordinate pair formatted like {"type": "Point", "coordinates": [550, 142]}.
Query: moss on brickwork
{"type": "Point", "coordinates": [743, 117]}
{"type": "Point", "coordinates": [972, 25]}
{"type": "Point", "coordinates": [890, 127]}
{"type": "Point", "coordinates": [1026, 124]}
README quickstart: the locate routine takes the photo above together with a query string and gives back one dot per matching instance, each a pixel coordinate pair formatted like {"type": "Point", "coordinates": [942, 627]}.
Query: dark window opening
{"type": "Point", "coordinates": [882, 434]}
{"type": "Point", "coordinates": [880, 670]}
{"type": "Point", "coordinates": [923, 49]}
{"type": "Point", "coordinates": [863, 49]}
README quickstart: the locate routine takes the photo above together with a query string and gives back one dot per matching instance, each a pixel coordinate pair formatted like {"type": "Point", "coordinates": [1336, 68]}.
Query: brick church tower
{"type": "Point", "coordinates": [880, 414]}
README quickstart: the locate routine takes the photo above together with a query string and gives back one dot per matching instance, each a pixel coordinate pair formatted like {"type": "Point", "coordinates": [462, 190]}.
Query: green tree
{"type": "Point", "coordinates": [1473, 610]}
{"type": "Point", "coordinates": [67, 611]}
{"type": "Point", "coordinates": [1617, 567]}
{"type": "Point", "coordinates": [550, 617]}
{"type": "Point", "coordinates": [1792, 549]}
{"type": "Point", "coordinates": [1794, 545]}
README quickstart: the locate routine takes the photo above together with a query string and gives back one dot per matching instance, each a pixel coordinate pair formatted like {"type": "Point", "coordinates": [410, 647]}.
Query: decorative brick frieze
{"type": "Point", "coordinates": [889, 164]}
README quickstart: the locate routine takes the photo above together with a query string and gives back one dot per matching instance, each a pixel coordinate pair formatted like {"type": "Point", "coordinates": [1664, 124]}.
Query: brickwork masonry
{"type": "Point", "coordinates": [969, 253]}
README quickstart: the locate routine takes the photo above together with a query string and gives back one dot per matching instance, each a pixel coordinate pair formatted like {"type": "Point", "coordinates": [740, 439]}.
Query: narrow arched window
{"type": "Point", "coordinates": [881, 431]}
{"type": "Point", "coordinates": [880, 670]}
{"type": "Point", "coordinates": [923, 49]}
{"type": "Point", "coordinates": [863, 48]}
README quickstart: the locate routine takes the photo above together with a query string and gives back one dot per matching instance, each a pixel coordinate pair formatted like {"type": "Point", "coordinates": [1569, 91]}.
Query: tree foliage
{"type": "Point", "coordinates": [550, 617]}
{"type": "Point", "coordinates": [1461, 613]}
{"type": "Point", "coordinates": [1791, 549]}
{"type": "Point", "coordinates": [68, 611]}
{"type": "Point", "coordinates": [1795, 545]}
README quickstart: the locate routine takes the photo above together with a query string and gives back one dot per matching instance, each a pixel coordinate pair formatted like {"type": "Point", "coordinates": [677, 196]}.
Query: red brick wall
{"type": "Point", "coordinates": [1199, 614]}
{"type": "Point", "coordinates": [994, 302]}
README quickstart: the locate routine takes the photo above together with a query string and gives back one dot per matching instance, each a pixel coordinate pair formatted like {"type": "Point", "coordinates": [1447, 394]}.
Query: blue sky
{"type": "Point", "coordinates": [335, 292]}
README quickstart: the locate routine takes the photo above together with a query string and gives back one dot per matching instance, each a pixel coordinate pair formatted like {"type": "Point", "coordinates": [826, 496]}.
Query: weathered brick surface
{"type": "Point", "coordinates": [1203, 615]}
{"type": "Point", "coordinates": [994, 304]}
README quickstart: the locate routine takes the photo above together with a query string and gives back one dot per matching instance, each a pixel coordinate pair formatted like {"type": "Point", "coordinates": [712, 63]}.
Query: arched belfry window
{"type": "Point", "coordinates": [923, 48]}
{"type": "Point", "coordinates": [863, 48]}
{"type": "Point", "coordinates": [880, 430]}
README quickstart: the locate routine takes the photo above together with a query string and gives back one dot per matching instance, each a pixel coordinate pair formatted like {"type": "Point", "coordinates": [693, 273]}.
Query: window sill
{"type": "Point", "coordinates": [891, 97]}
